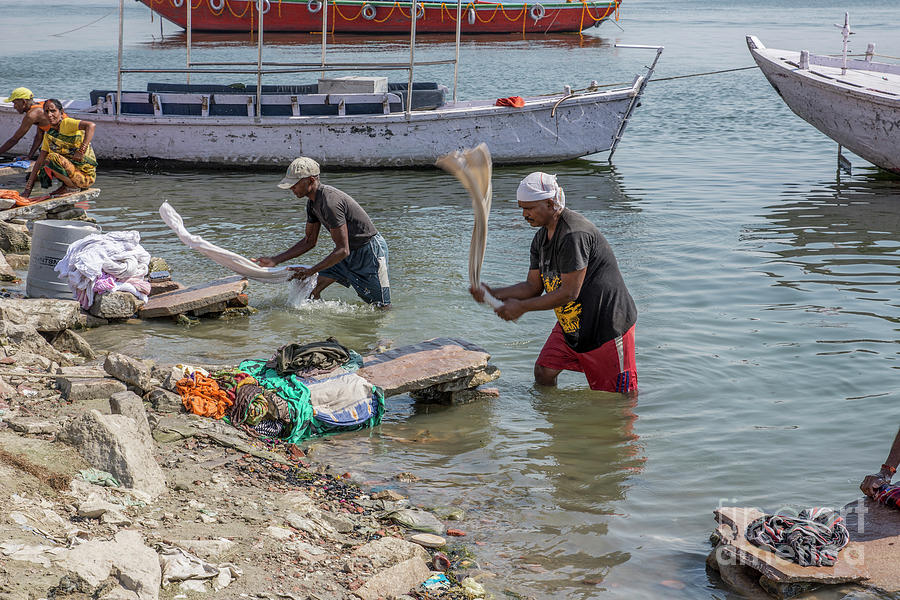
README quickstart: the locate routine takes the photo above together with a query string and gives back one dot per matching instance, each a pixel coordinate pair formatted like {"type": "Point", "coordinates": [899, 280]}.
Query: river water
{"type": "Point", "coordinates": [768, 287]}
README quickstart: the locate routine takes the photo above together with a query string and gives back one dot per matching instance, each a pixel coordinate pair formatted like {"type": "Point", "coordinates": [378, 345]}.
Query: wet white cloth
{"type": "Point", "coordinates": [235, 262]}
{"type": "Point", "coordinates": [540, 186]}
{"type": "Point", "coordinates": [473, 168]}
{"type": "Point", "coordinates": [119, 254]}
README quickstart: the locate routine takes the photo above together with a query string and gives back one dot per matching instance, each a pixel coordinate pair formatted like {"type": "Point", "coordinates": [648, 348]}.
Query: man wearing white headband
{"type": "Point", "coordinates": [574, 272]}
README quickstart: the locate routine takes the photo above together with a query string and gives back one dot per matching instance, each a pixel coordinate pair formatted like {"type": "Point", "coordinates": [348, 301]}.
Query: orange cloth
{"type": "Point", "coordinates": [516, 101]}
{"type": "Point", "coordinates": [21, 200]}
{"type": "Point", "coordinates": [202, 396]}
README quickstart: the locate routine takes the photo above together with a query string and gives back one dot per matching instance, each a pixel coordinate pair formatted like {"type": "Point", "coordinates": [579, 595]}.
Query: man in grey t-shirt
{"type": "Point", "coordinates": [360, 254]}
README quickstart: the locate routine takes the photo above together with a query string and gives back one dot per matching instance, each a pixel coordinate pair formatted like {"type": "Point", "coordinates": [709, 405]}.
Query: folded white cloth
{"type": "Point", "coordinates": [118, 253]}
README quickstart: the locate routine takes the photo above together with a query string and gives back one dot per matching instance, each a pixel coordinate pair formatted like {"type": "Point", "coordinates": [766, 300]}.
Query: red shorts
{"type": "Point", "coordinates": [609, 368]}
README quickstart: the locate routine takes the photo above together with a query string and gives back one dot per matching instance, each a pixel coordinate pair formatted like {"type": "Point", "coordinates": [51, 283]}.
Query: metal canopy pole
{"type": "Point", "coordinates": [412, 54]}
{"type": "Point", "coordinates": [119, 68]}
{"type": "Point", "coordinates": [324, 31]}
{"type": "Point", "coordinates": [188, 39]}
{"type": "Point", "coordinates": [259, 46]}
{"type": "Point", "coordinates": [456, 60]}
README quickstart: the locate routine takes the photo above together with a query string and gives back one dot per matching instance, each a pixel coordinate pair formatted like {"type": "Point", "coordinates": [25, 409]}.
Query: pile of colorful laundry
{"type": "Point", "coordinates": [302, 391]}
{"type": "Point", "coordinates": [812, 538]}
{"type": "Point", "coordinates": [106, 262]}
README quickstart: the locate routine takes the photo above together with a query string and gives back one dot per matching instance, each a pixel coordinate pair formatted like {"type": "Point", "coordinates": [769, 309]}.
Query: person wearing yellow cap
{"type": "Point", "coordinates": [23, 101]}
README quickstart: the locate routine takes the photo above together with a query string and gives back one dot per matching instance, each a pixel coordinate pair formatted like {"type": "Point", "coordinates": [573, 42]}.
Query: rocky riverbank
{"type": "Point", "coordinates": [108, 489]}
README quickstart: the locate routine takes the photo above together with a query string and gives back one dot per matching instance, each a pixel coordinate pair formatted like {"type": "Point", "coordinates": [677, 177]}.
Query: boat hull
{"type": "Point", "coordinates": [350, 16]}
{"type": "Point", "coordinates": [863, 121]}
{"type": "Point", "coordinates": [545, 130]}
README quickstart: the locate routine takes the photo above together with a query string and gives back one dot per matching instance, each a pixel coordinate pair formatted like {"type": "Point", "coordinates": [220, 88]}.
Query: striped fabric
{"type": "Point", "coordinates": [812, 539]}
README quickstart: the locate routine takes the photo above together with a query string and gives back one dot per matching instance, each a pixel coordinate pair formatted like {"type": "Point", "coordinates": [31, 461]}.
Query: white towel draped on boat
{"type": "Point", "coordinates": [473, 169]}
{"type": "Point", "coordinates": [230, 260]}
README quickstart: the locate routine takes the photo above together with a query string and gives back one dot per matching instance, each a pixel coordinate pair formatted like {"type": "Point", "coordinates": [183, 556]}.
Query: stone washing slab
{"type": "Point", "coordinates": [733, 521]}
{"type": "Point", "coordinates": [39, 210]}
{"type": "Point", "coordinates": [419, 366]}
{"type": "Point", "coordinates": [13, 171]}
{"type": "Point", "coordinates": [195, 297]}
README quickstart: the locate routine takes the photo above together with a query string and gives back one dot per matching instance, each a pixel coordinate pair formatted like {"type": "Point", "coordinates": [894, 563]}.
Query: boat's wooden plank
{"type": "Point", "coordinates": [39, 210]}
{"type": "Point", "coordinates": [196, 297]}
{"type": "Point", "coordinates": [423, 365]}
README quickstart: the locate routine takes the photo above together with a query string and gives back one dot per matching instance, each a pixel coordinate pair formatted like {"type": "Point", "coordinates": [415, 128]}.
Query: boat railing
{"type": "Point", "coordinates": [268, 67]}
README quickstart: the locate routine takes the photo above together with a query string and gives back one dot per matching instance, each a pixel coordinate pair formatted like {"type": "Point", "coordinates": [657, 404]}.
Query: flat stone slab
{"type": "Point", "coordinates": [423, 365]}
{"type": "Point", "coordinates": [196, 297]}
{"type": "Point", "coordinates": [851, 565]}
{"type": "Point", "coordinates": [79, 384]}
{"type": "Point", "coordinates": [39, 210]}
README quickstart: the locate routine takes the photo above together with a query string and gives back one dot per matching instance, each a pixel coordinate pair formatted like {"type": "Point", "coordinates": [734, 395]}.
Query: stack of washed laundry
{"type": "Point", "coordinates": [304, 390]}
{"type": "Point", "coordinates": [106, 262]}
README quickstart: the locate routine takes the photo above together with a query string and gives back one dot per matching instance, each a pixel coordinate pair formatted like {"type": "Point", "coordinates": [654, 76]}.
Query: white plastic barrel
{"type": "Point", "coordinates": [49, 242]}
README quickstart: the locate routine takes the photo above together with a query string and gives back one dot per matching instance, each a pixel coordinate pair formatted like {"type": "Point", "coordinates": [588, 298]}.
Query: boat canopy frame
{"type": "Point", "coordinates": [269, 68]}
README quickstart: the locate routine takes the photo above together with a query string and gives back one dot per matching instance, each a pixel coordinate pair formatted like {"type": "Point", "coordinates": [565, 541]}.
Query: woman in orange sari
{"type": "Point", "coordinates": [66, 152]}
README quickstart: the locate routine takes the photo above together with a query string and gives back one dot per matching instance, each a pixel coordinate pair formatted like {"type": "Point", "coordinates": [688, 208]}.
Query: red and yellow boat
{"type": "Point", "coordinates": [386, 16]}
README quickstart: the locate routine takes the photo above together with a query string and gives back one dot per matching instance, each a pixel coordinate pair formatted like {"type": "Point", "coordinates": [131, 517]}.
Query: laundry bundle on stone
{"type": "Point", "coordinates": [811, 539]}
{"type": "Point", "coordinates": [302, 391]}
{"type": "Point", "coordinates": [106, 262]}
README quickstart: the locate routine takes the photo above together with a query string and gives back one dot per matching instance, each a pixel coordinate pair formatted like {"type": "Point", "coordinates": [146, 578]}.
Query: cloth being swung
{"type": "Point", "coordinates": [473, 168]}
{"type": "Point", "coordinates": [239, 264]}
{"type": "Point", "coordinates": [812, 539]}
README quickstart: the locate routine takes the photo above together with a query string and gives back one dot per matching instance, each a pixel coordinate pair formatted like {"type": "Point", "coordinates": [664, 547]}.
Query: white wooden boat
{"type": "Point", "coordinates": [546, 129]}
{"type": "Point", "coordinates": [854, 102]}
{"type": "Point", "coordinates": [334, 122]}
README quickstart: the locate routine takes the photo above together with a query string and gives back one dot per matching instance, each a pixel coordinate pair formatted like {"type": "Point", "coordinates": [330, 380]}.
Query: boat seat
{"type": "Point", "coordinates": [233, 105]}
{"type": "Point", "coordinates": [134, 103]}
{"type": "Point", "coordinates": [196, 105]}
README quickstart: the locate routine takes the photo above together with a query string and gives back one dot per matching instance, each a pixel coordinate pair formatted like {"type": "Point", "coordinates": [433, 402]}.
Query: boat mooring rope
{"type": "Point", "coordinates": [592, 88]}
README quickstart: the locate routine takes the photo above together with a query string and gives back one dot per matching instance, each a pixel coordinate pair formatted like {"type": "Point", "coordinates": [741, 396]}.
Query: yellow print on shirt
{"type": "Point", "coordinates": [568, 315]}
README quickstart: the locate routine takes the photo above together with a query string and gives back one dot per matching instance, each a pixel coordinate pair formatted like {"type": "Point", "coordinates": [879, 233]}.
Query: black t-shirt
{"type": "Point", "coordinates": [604, 309]}
{"type": "Point", "coordinates": [333, 208]}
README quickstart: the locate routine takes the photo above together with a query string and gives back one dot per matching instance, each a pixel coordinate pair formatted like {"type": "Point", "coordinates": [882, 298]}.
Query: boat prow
{"type": "Point", "coordinates": [856, 103]}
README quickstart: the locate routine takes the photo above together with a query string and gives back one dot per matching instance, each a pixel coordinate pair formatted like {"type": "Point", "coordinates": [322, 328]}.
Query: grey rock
{"type": "Point", "coordinates": [116, 518]}
{"type": "Point", "coordinates": [29, 359]}
{"type": "Point", "coordinates": [163, 400]}
{"type": "Point", "coordinates": [79, 384]}
{"type": "Point", "coordinates": [126, 558]}
{"type": "Point", "coordinates": [32, 425]}
{"type": "Point", "coordinates": [312, 523]}
{"type": "Point", "coordinates": [19, 262]}
{"type": "Point", "coordinates": [27, 339]}
{"type": "Point", "coordinates": [6, 203]}
{"type": "Point", "coordinates": [208, 549]}
{"type": "Point", "coordinates": [167, 375]}
{"type": "Point", "coordinates": [428, 540]}
{"type": "Point", "coordinates": [14, 238]}
{"type": "Point", "coordinates": [113, 443]}
{"type": "Point", "coordinates": [448, 513]}
{"type": "Point", "coordinates": [388, 551]}
{"type": "Point", "coordinates": [116, 305]}
{"type": "Point", "coordinates": [7, 273]}
{"type": "Point", "coordinates": [395, 580]}
{"type": "Point", "coordinates": [160, 264]}
{"type": "Point", "coordinates": [95, 508]}
{"type": "Point", "coordinates": [44, 314]}
{"type": "Point", "coordinates": [130, 404]}
{"type": "Point", "coordinates": [69, 341]}
{"type": "Point", "coordinates": [419, 520]}
{"type": "Point", "coordinates": [6, 391]}
{"type": "Point", "coordinates": [87, 320]}
{"type": "Point", "coordinates": [129, 370]}
{"type": "Point", "coordinates": [340, 523]}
